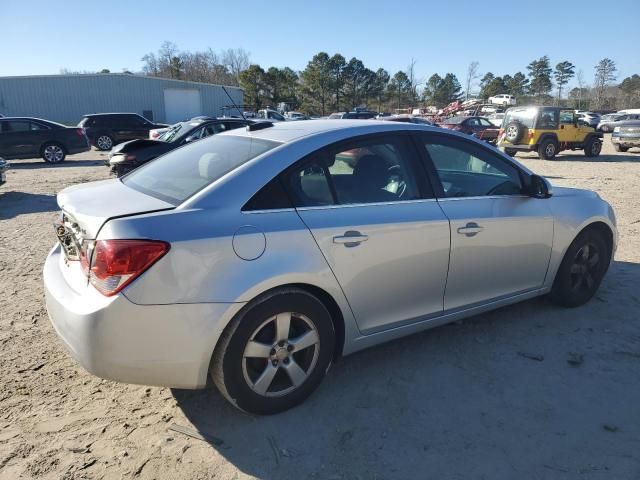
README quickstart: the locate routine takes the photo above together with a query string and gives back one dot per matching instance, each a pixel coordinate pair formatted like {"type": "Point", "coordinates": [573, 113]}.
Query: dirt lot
{"type": "Point", "coordinates": [531, 391]}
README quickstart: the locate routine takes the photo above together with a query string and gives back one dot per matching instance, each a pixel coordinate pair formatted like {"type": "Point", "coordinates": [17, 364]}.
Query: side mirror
{"type": "Point", "coordinates": [539, 187]}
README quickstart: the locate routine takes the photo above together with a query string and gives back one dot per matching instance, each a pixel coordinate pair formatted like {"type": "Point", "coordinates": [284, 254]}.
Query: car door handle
{"type": "Point", "coordinates": [471, 229]}
{"type": "Point", "coordinates": [351, 238]}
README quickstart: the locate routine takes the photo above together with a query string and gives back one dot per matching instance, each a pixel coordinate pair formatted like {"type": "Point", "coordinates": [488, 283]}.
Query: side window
{"type": "Point", "coordinates": [485, 123]}
{"type": "Point", "coordinates": [466, 171]}
{"type": "Point", "coordinates": [234, 125]}
{"type": "Point", "coordinates": [38, 126]}
{"type": "Point", "coordinates": [374, 170]}
{"type": "Point", "coordinates": [17, 126]}
{"type": "Point", "coordinates": [548, 119]}
{"type": "Point", "coordinates": [270, 197]}
{"type": "Point", "coordinates": [566, 117]}
{"type": "Point", "coordinates": [472, 122]}
{"type": "Point", "coordinates": [196, 134]}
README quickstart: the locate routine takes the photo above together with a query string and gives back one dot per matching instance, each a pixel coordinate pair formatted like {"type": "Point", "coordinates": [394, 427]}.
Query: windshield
{"type": "Point", "coordinates": [526, 116]}
{"type": "Point", "coordinates": [181, 173]}
{"type": "Point", "coordinates": [454, 120]}
{"type": "Point", "coordinates": [175, 131]}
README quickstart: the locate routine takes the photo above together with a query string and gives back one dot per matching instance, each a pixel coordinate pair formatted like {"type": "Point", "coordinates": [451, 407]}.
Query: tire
{"type": "Point", "coordinates": [104, 142]}
{"type": "Point", "coordinates": [577, 279]}
{"type": "Point", "coordinates": [514, 132]}
{"type": "Point", "coordinates": [276, 361]}
{"type": "Point", "coordinates": [53, 152]}
{"type": "Point", "coordinates": [510, 151]}
{"type": "Point", "coordinates": [620, 148]}
{"type": "Point", "coordinates": [547, 149]}
{"type": "Point", "coordinates": [592, 147]}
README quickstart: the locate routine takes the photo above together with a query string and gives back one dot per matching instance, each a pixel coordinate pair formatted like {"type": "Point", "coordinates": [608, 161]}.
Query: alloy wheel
{"type": "Point", "coordinates": [104, 142]}
{"type": "Point", "coordinates": [280, 354]}
{"type": "Point", "coordinates": [585, 268]}
{"type": "Point", "coordinates": [53, 154]}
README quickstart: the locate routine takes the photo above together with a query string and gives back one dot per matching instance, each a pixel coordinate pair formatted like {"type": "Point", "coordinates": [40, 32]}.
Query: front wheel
{"type": "Point", "coordinates": [582, 269]}
{"type": "Point", "coordinates": [593, 147]}
{"type": "Point", "coordinates": [53, 153]}
{"type": "Point", "coordinates": [104, 142]}
{"type": "Point", "coordinates": [272, 356]}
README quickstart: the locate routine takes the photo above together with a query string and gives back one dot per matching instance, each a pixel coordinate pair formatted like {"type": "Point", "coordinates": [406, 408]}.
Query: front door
{"type": "Point", "coordinates": [384, 236]}
{"type": "Point", "coordinates": [500, 238]}
{"type": "Point", "coordinates": [569, 130]}
{"type": "Point", "coordinates": [18, 141]}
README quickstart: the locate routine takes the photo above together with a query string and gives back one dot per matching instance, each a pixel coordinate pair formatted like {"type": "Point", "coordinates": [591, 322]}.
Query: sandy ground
{"type": "Point", "coordinates": [456, 402]}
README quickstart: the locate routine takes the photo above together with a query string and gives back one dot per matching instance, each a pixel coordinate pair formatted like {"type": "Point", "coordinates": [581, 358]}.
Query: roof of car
{"type": "Point", "coordinates": [110, 113]}
{"type": "Point", "coordinates": [285, 132]}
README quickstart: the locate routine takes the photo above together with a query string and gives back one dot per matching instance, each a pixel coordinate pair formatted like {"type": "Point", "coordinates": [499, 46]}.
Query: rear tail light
{"type": "Point", "coordinates": [117, 263]}
{"type": "Point", "coordinates": [80, 132]}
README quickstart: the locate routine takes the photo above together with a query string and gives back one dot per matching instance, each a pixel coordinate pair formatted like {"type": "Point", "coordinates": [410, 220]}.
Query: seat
{"type": "Point", "coordinates": [370, 177]}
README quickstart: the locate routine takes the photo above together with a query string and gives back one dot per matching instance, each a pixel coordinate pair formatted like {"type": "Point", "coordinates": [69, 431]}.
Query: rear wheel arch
{"type": "Point", "coordinates": [547, 136]}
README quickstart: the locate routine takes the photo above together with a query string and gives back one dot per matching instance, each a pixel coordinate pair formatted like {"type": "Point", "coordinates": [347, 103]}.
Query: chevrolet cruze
{"type": "Point", "coordinates": [259, 255]}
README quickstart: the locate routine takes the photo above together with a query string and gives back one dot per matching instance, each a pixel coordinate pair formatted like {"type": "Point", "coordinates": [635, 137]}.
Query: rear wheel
{"type": "Point", "coordinates": [592, 147]}
{"type": "Point", "coordinates": [620, 148]}
{"type": "Point", "coordinates": [548, 149]}
{"type": "Point", "coordinates": [274, 355]}
{"type": "Point", "coordinates": [582, 269]}
{"type": "Point", "coordinates": [53, 153]}
{"type": "Point", "coordinates": [104, 142]}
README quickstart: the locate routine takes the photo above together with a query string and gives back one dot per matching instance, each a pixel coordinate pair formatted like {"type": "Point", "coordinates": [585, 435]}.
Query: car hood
{"type": "Point", "coordinates": [132, 145]}
{"type": "Point", "coordinates": [90, 205]}
{"type": "Point", "coordinates": [573, 192]}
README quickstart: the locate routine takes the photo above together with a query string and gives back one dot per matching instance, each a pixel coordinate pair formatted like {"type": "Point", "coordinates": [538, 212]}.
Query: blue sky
{"type": "Point", "coordinates": [41, 37]}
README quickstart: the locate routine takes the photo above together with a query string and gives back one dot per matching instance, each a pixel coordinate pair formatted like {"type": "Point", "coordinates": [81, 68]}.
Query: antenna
{"type": "Point", "coordinates": [234, 103]}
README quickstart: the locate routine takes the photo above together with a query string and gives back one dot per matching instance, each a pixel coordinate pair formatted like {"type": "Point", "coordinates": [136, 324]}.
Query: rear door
{"type": "Point", "coordinates": [371, 212]}
{"type": "Point", "coordinates": [500, 238]}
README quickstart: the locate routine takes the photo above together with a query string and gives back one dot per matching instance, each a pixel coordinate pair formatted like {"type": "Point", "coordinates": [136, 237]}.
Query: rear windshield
{"type": "Point", "coordinates": [181, 173]}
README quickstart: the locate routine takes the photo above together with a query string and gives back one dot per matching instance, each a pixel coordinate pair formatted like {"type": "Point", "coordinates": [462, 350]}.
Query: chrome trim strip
{"type": "Point", "coordinates": [353, 205]}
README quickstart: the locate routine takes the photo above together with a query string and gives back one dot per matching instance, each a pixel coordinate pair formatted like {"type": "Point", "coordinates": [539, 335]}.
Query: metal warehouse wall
{"type": "Point", "coordinates": [65, 98]}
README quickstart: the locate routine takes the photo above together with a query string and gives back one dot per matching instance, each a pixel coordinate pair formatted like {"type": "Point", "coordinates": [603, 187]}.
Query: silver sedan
{"type": "Point", "coordinates": [260, 255]}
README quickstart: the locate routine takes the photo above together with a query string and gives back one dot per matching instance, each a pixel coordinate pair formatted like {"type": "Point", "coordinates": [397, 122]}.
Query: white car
{"type": "Point", "coordinates": [502, 99]}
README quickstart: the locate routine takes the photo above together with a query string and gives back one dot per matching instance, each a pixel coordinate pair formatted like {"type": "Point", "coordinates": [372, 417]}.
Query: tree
{"type": "Point", "coordinates": [484, 82]}
{"type": "Point", "coordinates": [605, 73]}
{"type": "Point", "coordinates": [379, 86]}
{"type": "Point", "coordinates": [564, 72]}
{"type": "Point", "coordinates": [105, 70]}
{"type": "Point", "coordinates": [337, 65]}
{"type": "Point", "coordinates": [495, 87]}
{"type": "Point", "coordinates": [252, 81]}
{"type": "Point", "coordinates": [630, 87]}
{"type": "Point", "coordinates": [236, 60]}
{"type": "Point", "coordinates": [354, 76]}
{"type": "Point", "coordinates": [441, 91]}
{"type": "Point", "coordinates": [540, 74]}
{"type": "Point", "coordinates": [413, 81]}
{"type": "Point", "coordinates": [516, 85]}
{"type": "Point", "coordinates": [317, 81]}
{"type": "Point", "coordinates": [398, 88]}
{"type": "Point", "coordinates": [581, 88]}
{"type": "Point", "coordinates": [473, 74]}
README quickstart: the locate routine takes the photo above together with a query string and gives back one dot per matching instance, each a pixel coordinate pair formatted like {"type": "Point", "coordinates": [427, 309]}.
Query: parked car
{"type": "Point", "coordinates": [356, 114]}
{"type": "Point", "coordinates": [626, 136]}
{"type": "Point", "coordinates": [405, 118]}
{"type": "Point", "coordinates": [610, 125]}
{"type": "Point", "coordinates": [270, 115]}
{"type": "Point", "coordinates": [257, 257]}
{"type": "Point", "coordinates": [496, 119]}
{"type": "Point", "coordinates": [480, 127]}
{"type": "Point", "coordinates": [605, 120]}
{"type": "Point", "coordinates": [502, 99]}
{"type": "Point", "coordinates": [108, 129]}
{"type": "Point", "coordinates": [129, 155]}
{"type": "Point", "coordinates": [4, 166]}
{"type": "Point", "coordinates": [155, 133]}
{"type": "Point", "coordinates": [547, 130]}
{"type": "Point", "coordinates": [589, 118]}
{"type": "Point", "coordinates": [26, 137]}
{"type": "Point", "coordinates": [296, 116]}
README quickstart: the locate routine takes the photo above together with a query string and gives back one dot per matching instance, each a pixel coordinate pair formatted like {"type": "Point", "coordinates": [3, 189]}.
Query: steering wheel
{"type": "Point", "coordinates": [395, 176]}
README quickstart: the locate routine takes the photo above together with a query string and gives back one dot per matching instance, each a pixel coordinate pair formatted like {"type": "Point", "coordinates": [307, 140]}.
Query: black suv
{"type": "Point", "coordinates": [108, 129]}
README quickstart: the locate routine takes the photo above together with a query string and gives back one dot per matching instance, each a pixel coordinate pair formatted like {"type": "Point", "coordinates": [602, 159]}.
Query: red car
{"type": "Point", "coordinates": [479, 127]}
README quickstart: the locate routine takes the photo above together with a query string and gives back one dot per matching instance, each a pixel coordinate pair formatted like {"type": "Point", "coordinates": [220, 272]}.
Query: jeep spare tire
{"type": "Point", "coordinates": [514, 132]}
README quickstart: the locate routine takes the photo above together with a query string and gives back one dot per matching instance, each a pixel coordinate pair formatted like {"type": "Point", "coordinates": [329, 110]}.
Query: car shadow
{"type": "Point", "coordinates": [13, 204]}
{"type": "Point", "coordinates": [489, 397]}
{"type": "Point", "coordinates": [38, 163]}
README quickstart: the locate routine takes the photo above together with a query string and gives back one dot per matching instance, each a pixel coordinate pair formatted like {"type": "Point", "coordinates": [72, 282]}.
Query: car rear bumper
{"type": "Point", "coordinates": [631, 141]}
{"type": "Point", "coordinates": [116, 339]}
